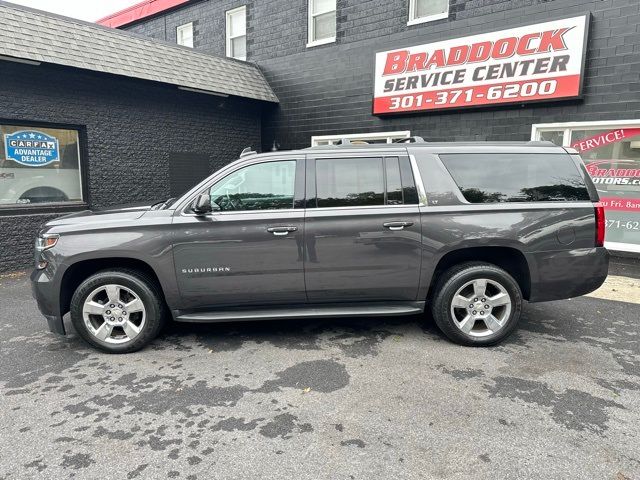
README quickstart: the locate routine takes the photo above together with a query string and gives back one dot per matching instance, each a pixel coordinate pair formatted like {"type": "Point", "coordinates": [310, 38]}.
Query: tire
{"type": "Point", "coordinates": [99, 304]}
{"type": "Point", "coordinates": [470, 323]}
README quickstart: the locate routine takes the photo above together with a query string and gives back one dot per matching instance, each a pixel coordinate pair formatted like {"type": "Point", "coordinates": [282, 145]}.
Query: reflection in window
{"type": "Point", "coordinates": [349, 182]}
{"type": "Point", "coordinates": [263, 186]}
{"type": "Point", "coordinates": [486, 178]}
{"type": "Point", "coordinates": [427, 10]}
{"type": "Point", "coordinates": [39, 165]}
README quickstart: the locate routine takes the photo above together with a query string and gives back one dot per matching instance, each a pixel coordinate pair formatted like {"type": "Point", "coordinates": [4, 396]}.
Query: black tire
{"type": "Point", "coordinates": [458, 276]}
{"type": "Point", "coordinates": [148, 291]}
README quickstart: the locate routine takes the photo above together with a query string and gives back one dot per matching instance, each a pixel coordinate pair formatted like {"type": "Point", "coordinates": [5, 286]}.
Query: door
{"type": "Point", "coordinates": [362, 230]}
{"type": "Point", "coordinates": [249, 251]}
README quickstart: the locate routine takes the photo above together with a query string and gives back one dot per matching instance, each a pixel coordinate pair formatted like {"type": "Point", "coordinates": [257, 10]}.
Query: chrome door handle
{"type": "Point", "coordinates": [395, 226]}
{"type": "Point", "coordinates": [281, 231]}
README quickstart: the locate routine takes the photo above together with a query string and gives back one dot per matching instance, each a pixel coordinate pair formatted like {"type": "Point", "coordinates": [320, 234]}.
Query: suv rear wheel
{"type": "Point", "coordinates": [118, 311]}
{"type": "Point", "coordinates": [476, 304]}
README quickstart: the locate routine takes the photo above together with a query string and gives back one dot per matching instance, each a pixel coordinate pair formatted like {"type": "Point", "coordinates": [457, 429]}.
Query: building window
{"type": "Point", "coordinates": [185, 35]}
{"type": "Point", "coordinates": [611, 153]}
{"type": "Point", "coordinates": [380, 137]}
{"type": "Point", "coordinates": [421, 11]}
{"type": "Point", "coordinates": [39, 165]}
{"type": "Point", "coordinates": [237, 33]}
{"type": "Point", "coordinates": [321, 22]}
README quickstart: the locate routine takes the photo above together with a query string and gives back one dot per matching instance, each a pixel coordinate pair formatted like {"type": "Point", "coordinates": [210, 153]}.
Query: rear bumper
{"type": "Point", "coordinates": [568, 273]}
{"type": "Point", "coordinates": [46, 294]}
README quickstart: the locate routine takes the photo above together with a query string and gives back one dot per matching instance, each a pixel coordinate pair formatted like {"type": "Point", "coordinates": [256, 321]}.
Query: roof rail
{"type": "Point", "coordinates": [247, 151]}
{"type": "Point", "coordinates": [414, 139]}
{"type": "Point", "coordinates": [542, 143]}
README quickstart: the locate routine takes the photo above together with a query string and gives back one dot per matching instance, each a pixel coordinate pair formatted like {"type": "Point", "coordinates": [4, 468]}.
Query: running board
{"type": "Point", "coordinates": [316, 311]}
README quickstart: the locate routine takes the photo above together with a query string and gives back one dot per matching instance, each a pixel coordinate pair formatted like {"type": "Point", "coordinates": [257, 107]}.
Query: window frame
{"type": "Point", "coordinates": [182, 28]}
{"type": "Point", "coordinates": [229, 38]}
{"type": "Point", "coordinates": [311, 198]}
{"type": "Point", "coordinates": [184, 203]}
{"type": "Point", "coordinates": [311, 42]}
{"type": "Point", "coordinates": [54, 207]}
{"type": "Point", "coordinates": [414, 20]}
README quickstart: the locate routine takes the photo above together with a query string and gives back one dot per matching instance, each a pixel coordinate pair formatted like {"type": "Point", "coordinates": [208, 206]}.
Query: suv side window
{"type": "Point", "coordinates": [349, 182]}
{"type": "Point", "coordinates": [354, 182]}
{"type": "Point", "coordinates": [527, 177]}
{"type": "Point", "coordinates": [262, 186]}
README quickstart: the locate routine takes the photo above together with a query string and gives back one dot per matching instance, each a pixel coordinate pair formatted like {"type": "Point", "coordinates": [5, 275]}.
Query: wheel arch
{"type": "Point", "coordinates": [510, 259]}
{"type": "Point", "coordinates": [76, 273]}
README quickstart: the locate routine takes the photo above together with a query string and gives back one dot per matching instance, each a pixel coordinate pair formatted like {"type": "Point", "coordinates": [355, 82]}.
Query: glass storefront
{"type": "Point", "coordinates": [39, 166]}
{"type": "Point", "coordinates": [611, 152]}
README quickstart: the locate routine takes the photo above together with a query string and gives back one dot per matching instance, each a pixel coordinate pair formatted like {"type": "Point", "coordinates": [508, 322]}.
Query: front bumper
{"type": "Point", "coordinates": [567, 273]}
{"type": "Point", "coordinates": [47, 295]}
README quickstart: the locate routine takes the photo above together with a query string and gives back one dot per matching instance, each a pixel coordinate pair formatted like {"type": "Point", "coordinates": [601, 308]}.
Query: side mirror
{"type": "Point", "coordinates": [202, 204]}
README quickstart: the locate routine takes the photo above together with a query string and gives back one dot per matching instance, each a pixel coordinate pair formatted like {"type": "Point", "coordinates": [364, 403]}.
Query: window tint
{"type": "Point", "coordinates": [349, 182]}
{"type": "Point", "coordinates": [394, 184]}
{"type": "Point", "coordinates": [488, 178]}
{"type": "Point", "coordinates": [410, 192]}
{"type": "Point", "coordinates": [264, 186]}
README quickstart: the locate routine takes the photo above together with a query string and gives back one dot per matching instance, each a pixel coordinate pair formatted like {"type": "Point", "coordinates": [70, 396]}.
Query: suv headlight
{"type": "Point", "coordinates": [44, 242]}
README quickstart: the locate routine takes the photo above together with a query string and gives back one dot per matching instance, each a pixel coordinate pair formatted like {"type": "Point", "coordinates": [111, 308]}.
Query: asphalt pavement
{"type": "Point", "coordinates": [385, 398]}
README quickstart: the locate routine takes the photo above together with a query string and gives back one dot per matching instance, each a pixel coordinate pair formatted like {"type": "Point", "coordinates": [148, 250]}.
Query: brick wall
{"type": "Point", "coordinates": [131, 129]}
{"type": "Point", "coordinates": [328, 89]}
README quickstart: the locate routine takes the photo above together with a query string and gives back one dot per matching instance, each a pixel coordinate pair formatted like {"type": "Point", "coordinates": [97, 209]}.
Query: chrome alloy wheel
{"type": "Point", "coordinates": [481, 307]}
{"type": "Point", "coordinates": [114, 314]}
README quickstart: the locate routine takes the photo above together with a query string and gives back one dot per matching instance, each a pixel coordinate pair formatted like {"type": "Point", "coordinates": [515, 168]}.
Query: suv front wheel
{"type": "Point", "coordinates": [118, 311]}
{"type": "Point", "coordinates": [476, 304]}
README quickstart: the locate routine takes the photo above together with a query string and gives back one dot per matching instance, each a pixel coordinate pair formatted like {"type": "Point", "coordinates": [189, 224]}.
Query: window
{"type": "Point", "coordinates": [421, 11]}
{"type": "Point", "coordinates": [321, 22]}
{"type": "Point", "coordinates": [39, 165]}
{"type": "Point", "coordinates": [263, 186]}
{"type": "Point", "coordinates": [237, 33]}
{"type": "Point", "coordinates": [611, 152]}
{"type": "Point", "coordinates": [184, 34]}
{"type": "Point", "coordinates": [489, 178]}
{"type": "Point", "coordinates": [349, 182]}
{"type": "Point", "coordinates": [380, 137]}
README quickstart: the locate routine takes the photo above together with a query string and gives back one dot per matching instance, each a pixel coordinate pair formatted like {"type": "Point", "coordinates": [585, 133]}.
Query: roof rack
{"type": "Point", "coordinates": [414, 139]}
{"type": "Point", "coordinates": [542, 143]}
{"type": "Point", "coordinates": [247, 151]}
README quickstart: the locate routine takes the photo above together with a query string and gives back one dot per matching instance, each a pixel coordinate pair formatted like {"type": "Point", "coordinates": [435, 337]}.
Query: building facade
{"type": "Point", "coordinates": [319, 56]}
{"type": "Point", "coordinates": [76, 138]}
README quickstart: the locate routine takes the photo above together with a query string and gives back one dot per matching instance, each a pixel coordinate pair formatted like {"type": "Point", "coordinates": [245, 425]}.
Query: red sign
{"type": "Point", "coordinates": [537, 62]}
{"type": "Point", "coordinates": [607, 138]}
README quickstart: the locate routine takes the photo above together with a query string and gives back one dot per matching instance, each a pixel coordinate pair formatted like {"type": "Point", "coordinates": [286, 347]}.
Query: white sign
{"type": "Point", "coordinates": [538, 62]}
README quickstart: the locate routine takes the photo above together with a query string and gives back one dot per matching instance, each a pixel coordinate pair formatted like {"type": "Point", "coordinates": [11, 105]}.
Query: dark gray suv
{"type": "Point", "coordinates": [468, 230]}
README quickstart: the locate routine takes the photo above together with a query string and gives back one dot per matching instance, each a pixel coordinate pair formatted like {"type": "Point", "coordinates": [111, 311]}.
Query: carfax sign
{"type": "Point", "coordinates": [538, 62]}
{"type": "Point", "coordinates": [31, 148]}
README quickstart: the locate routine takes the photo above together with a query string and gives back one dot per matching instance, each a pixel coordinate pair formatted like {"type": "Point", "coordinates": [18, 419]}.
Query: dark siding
{"type": "Point", "coordinates": [328, 89]}
{"type": "Point", "coordinates": [131, 127]}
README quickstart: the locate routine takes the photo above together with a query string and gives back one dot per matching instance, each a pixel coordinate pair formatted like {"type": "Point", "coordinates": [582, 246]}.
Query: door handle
{"type": "Point", "coordinates": [395, 226]}
{"type": "Point", "coordinates": [281, 231]}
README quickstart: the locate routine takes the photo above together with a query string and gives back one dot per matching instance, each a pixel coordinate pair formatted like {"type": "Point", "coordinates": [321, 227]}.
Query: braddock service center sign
{"type": "Point", "coordinates": [534, 63]}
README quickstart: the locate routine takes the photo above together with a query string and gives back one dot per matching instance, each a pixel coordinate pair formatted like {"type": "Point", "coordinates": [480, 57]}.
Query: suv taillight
{"type": "Point", "coordinates": [599, 225]}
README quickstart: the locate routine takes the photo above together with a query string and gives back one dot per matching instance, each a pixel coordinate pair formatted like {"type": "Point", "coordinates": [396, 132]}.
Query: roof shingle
{"type": "Point", "coordinates": [39, 36]}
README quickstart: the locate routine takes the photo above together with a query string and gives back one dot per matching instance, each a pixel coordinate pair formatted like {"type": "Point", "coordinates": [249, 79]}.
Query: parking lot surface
{"type": "Point", "coordinates": [385, 398]}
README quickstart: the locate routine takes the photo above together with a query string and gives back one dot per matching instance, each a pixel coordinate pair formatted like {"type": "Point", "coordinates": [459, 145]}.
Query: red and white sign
{"type": "Point", "coordinates": [533, 63]}
{"type": "Point", "coordinates": [606, 138]}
